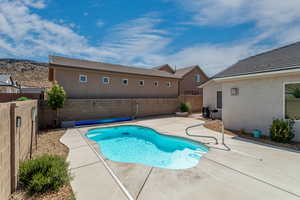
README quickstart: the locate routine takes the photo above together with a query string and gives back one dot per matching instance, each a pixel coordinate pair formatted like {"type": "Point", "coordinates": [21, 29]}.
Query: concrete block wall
{"type": "Point", "coordinates": [89, 109]}
{"type": "Point", "coordinates": [15, 142]}
{"type": "Point", "coordinates": [196, 101]}
{"type": "Point", "coordinates": [25, 134]}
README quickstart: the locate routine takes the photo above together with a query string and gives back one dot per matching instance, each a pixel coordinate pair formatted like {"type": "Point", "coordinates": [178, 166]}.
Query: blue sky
{"type": "Point", "coordinates": [211, 33]}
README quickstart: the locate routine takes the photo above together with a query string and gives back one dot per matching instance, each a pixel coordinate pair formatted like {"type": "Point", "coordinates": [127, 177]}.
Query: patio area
{"type": "Point", "coordinates": [247, 171]}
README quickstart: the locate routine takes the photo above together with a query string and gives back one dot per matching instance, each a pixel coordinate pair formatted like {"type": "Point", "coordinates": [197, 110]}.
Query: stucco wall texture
{"type": "Point", "coordinates": [5, 166]}
{"type": "Point", "coordinates": [188, 83]}
{"type": "Point", "coordinates": [260, 100]}
{"type": "Point", "coordinates": [210, 97]}
{"type": "Point", "coordinates": [15, 142]}
{"type": "Point", "coordinates": [94, 88]}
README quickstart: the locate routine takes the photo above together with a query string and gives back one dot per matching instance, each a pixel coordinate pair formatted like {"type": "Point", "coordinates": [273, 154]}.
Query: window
{"type": "Point", "coordinates": [292, 101]}
{"type": "Point", "coordinates": [234, 91]}
{"type": "Point", "coordinates": [197, 78]}
{"type": "Point", "coordinates": [168, 84]}
{"type": "Point", "coordinates": [125, 81]}
{"type": "Point", "coordinates": [141, 82]}
{"type": "Point", "coordinates": [156, 83]}
{"type": "Point", "coordinates": [105, 80]}
{"type": "Point", "coordinates": [82, 78]}
{"type": "Point", "coordinates": [219, 99]}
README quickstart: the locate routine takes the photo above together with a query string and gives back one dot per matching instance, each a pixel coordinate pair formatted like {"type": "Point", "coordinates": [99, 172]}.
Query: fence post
{"type": "Point", "coordinates": [13, 147]}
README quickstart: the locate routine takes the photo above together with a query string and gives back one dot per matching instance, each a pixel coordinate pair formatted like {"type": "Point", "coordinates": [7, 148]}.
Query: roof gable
{"type": "Point", "coordinates": [185, 71]}
{"type": "Point", "coordinates": [165, 67]}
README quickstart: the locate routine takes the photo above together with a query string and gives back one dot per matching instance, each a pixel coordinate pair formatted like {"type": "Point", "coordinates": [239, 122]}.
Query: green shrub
{"type": "Point", "coordinates": [296, 93]}
{"type": "Point", "coordinates": [185, 107]}
{"type": "Point", "coordinates": [282, 130]}
{"type": "Point", "coordinates": [23, 99]}
{"type": "Point", "coordinates": [42, 174]}
{"type": "Point", "coordinates": [56, 97]}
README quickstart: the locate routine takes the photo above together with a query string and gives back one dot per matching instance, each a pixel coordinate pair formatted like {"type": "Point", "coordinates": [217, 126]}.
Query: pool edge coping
{"type": "Point", "coordinates": [110, 171]}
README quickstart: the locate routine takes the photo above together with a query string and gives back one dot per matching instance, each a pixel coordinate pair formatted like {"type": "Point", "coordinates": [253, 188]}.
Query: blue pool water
{"type": "Point", "coordinates": [138, 144]}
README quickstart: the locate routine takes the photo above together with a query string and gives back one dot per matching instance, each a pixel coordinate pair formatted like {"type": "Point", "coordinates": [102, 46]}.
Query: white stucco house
{"type": "Point", "coordinates": [251, 93]}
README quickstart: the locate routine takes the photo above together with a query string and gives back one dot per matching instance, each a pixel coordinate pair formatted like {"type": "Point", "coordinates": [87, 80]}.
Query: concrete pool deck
{"type": "Point", "coordinates": [248, 171]}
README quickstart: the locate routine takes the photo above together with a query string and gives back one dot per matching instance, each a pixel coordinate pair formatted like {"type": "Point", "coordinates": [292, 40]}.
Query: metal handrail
{"type": "Point", "coordinates": [202, 124]}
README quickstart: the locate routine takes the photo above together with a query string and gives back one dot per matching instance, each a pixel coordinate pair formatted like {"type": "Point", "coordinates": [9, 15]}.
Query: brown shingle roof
{"type": "Point", "coordinates": [99, 66]}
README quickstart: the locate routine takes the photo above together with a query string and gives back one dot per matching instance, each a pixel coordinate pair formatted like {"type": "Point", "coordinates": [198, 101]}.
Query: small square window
{"type": "Point", "coordinates": [156, 83]}
{"type": "Point", "coordinates": [125, 81]}
{"type": "Point", "coordinates": [234, 91]}
{"type": "Point", "coordinates": [82, 78]}
{"type": "Point", "coordinates": [169, 84]}
{"type": "Point", "coordinates": [105, 80]}
{"type": "Point", "coordinates": [141, 83]}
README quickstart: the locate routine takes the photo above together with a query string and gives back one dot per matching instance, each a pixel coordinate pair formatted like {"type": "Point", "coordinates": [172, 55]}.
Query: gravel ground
{"type": "Point", "coordinates": [265, 139]}
{"type": "Point", "coordinates": [48, 143]}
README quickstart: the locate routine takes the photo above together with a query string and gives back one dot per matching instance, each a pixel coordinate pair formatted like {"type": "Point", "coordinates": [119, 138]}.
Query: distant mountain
{"type": "Point", "coordinates": [26, 72]}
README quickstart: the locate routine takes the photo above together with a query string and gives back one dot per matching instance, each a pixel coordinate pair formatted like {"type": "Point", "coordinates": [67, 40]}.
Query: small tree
{"type": "Point", "coordinates": [56, 99]}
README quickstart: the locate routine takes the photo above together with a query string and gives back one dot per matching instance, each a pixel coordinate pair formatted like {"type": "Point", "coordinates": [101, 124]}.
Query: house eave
{"type": "Point", "coordinates": [262, 74]}
{"type": "Point", "coordinates": [293, 71]}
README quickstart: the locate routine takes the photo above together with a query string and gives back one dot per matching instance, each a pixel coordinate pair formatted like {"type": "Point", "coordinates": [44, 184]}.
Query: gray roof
{"type": "Point", "coordinates": [5, 80]}
{"type": "Point", "coordinates": [284, 58]}
{"type": "Point", "coordinates": [99, 66]}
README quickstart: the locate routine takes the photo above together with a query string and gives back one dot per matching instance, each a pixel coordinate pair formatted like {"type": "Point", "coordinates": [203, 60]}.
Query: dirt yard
{"type": "Point", "coordinates": [264, 139]}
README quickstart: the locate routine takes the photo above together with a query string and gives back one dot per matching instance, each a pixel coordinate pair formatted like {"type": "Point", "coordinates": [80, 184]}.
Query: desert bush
{"type": "Point", "coordinates": [23, 99]}
{"type": "Point", "coordinates": [296, 93]}
{"type": "Point", "coordinates": [282, 130]}
{"type": "Point", "coordinates": [185, 107]}
{"type": "Point", "coordinates": [43, 174]}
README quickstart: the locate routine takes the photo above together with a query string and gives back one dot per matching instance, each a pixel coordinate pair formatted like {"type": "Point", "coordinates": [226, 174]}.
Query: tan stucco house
{"type": "Point", "coordinates": [88, 79]}
{"type": "Point", "coordinates": [249, 94]}
{"type": "Point", "coordinates": [190, 78]}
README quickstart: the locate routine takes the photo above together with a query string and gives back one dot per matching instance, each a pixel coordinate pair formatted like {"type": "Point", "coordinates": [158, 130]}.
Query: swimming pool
{"type": "Point", "coordinates": [138, 144]}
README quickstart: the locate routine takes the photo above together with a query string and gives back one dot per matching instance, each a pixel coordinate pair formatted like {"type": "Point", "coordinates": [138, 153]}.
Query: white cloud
{"type": "Point", "coordinates": [28, 35]}
{"type": "Point", "coordinates": [100, 23]}
{"type": "Point", "coordinates": [232, 12]}
{"type": "Point", "coordinates": [140, 42]}
{"type": "Point", "coordinates": [34, 3]}
{"type": "Point", "coordinates": [137, 41]}
{"type": "Point", "coordinates": [273, 17]}
{"type": "Point", "coordinates": [213, 58]}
